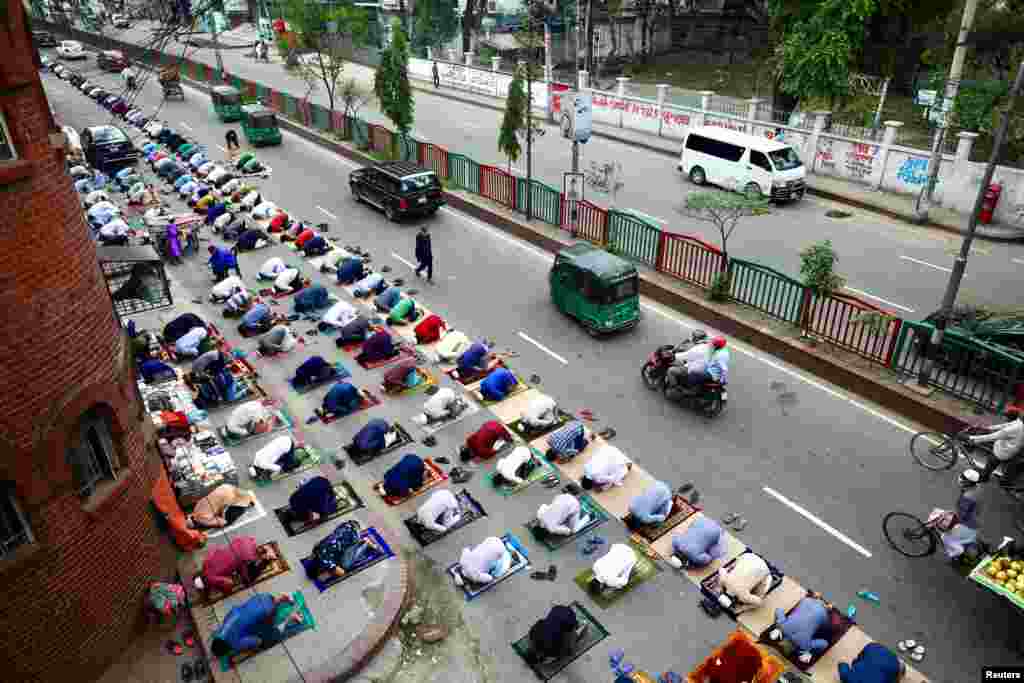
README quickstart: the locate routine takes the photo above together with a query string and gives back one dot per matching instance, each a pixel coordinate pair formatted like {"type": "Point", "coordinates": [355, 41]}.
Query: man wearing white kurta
{"type": "Point", "coordinates": [606, 467]}
{"type": "Point", "coordinates": [508, 467]}
{"type": "Point", "coordinates": [438, 407]}
{"type": "Point", "coordinates": [747, 581]}
{"type": "Point", "coordinates": [562, 516]}
{"type": "Point", "coordinates": [272, 268]}
{"type": "Point", "coordinates": [541, 412]}
{"type": "Point", "coordinates": [340, 314]}
{"type": "Point", "coordinates": [245, 420]}
{"type": "Point", "coordinates": [277, 456]}
{"type": "Point", "coordinates": [452, 345]}
{"type": "Point", "coordinates": [486, 562]}
{"type": "Point", "coordinates": [226, 287]}
{"type": "Point", "coordinates": [440, 513]}
{"type": "Point", "coordinates": [612, 571]}
{"type": "Point", "coordinates": [285, 280]}
{"type": "Point", "coordinates": [188, 344]}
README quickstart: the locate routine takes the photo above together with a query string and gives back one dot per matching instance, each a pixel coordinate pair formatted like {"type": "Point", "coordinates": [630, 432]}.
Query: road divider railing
{"type": "Point", "coordinates": [985, 374]}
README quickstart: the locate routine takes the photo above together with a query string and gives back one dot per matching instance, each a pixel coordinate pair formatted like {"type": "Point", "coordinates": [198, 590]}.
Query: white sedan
{"type": "Point", "coordinates": [70, 49]}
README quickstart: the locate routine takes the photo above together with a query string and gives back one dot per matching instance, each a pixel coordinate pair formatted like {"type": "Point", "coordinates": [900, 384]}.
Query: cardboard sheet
{"type": "Point", "coordinates": [733, 548]}
{"type": "Point", "coordinates": [785, 597]}
{"type": "Point", "coordinates": [826, 669]}
{"type": "Point", "coordinates": [511, 409]}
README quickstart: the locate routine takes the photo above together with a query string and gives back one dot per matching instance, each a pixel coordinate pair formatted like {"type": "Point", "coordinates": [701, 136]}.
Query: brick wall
{"type": "Point", "coordinates": [73, 598]}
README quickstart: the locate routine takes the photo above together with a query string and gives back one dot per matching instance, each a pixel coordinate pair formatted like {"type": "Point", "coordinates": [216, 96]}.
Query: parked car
{"type": "Point", "coordinates": [112, 60]}
{"type": "Point", "coordinates": [108, 147]}
{"type": "Point", "coordinates": [70, 49]}
{"type": "Point", "coordinates": [121, 21]}
{"type": "Point", "coordinates": [44, 39]}
{"type": "Point", "coordinates": [398, 188]}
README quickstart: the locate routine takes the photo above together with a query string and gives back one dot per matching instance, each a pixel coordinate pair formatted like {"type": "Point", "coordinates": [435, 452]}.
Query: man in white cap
{"type": "Point", "coordinates": [606, 468]}
{"type": "Point", "coordinates": [747, 581]}
{"type": "Point", "coordinates": [486, 562]}
{"type": "Point", "coordinates": [440, 513]}
{"type": "Point", "coordinates": [515, 467]}
{"type": "Point", "coordinates": [962, 531]}
{"type": "Point", "coordinates": [562, 517]}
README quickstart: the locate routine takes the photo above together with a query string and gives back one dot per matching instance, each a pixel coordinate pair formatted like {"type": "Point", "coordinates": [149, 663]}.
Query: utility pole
{"type": "Point", "coordinates": [960, 265]}
{"type": "Point", "coordinates": [946, 105]}
{"type": "Point", "coordinates": [589, 64]}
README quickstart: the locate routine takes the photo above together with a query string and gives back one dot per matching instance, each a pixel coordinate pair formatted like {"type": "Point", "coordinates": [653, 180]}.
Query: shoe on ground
{"type": "Point", "coordinates": [688, 486]}
{"type": "Point", "coordinates": [739, 524]}
{"type": "Point", "coordinates": [675, 562]}
{"type": "Point", "coordinates": [725, 601]}
{"type": "Point", "coordinates": [457, 577]}
{"type": "Point", "coordinates": [253, 473]}
{"type": "Point", "coordinates": [730, 518]}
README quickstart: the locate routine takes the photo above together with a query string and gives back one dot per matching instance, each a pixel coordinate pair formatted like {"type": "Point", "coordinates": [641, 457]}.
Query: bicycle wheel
{"type": "Point", "coordinates": [934, 451]}
{"type": "Point", "coordinates": [908, 534]}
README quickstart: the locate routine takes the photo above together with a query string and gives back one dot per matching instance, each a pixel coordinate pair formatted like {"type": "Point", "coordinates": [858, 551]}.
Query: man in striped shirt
{"type": "Point", "coordinates": [567, 442]}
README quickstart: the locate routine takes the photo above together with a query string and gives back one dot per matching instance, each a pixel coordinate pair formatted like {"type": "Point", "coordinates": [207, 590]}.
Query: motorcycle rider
{"type": "Point", "coordinates": [715, 368]}
{"type": "Point", "coordinates": [1008, 439]}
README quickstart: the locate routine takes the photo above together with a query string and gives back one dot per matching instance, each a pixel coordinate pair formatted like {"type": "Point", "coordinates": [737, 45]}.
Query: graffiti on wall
{"type": "Point", "coordinates": [824, 159]}
{"type": "Point", "coordinates": [913, 171]}
{"type": "Point", "coordinates": [860, 161]}
{"type": "Point", "coordinates": [728, 124]}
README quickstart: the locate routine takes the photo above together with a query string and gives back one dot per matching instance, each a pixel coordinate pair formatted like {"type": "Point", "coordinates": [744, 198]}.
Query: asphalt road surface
{"type": "Point", "coordinates": [811, 468]}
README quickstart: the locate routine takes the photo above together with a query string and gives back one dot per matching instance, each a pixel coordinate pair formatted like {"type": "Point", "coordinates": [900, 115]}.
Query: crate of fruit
{"type": "Point", "coordinates": [1003, 575]}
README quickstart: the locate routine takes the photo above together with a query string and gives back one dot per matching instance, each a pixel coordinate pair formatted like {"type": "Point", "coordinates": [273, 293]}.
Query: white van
{"type": "Point", "coordinates": [743, 163]}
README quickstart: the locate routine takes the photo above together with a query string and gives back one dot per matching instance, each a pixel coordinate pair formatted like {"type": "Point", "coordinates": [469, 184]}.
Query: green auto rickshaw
{"type": "Point", "coordinates": [599, 289]}
{"type": "Point", "coordinates": [260, 125]}
{"type": "Point", "coordinates": [227, 103]}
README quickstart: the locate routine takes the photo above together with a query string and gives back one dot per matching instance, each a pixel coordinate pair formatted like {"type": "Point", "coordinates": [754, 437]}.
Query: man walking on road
{"type": "Point", "coordinates": [437, 77]}
{"type": "Point", "coordinates": [424, 255]}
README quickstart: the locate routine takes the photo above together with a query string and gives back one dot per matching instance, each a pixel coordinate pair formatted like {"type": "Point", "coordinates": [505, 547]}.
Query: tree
{"type": "Point", "coordinates": [352, 97]}
{"type": "Point", "coordinates": [723, 210]}
{"type": "Point", "coordinates": [472, 16]}
{"type": "Point", "coordinates": [818, 268]}
{"type": "Point", "coordinates": [331, 32]}
{"type": "Point", "coordinates": [606, 178]}
{"type": "Point", "coordinates": [514, 122]}
{"type": "Point", "coordinates": [391, 82]}
{"type": "Point", "coordinates": [436, 23]}
{"type": "Point", "coordinates": [532, 44]}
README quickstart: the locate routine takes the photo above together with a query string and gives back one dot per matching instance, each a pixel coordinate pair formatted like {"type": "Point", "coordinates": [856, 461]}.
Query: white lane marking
{"type": "Point", "coordinates": [185, 125]}
{"type": "Point", "coordinates": [819, 522]}
{"type": "Point", "coordinates": [327, 213]}
{"type": "Point", "coordinates": [925, 263]}
{"type": "Point", "coordinates": [403, 260]}
{"type": "Point", "coordinates": [543, 348]}
{"type": "Point", "coordinates": [1018, 261]}
{"type": "Point", "coordinates": [878, 298]}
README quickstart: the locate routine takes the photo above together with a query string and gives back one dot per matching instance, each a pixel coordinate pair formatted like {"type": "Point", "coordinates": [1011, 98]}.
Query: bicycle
{"type": "Point", "coordinates": [937, 452]}
{"type": "Point", "coordinates": [910, 536]}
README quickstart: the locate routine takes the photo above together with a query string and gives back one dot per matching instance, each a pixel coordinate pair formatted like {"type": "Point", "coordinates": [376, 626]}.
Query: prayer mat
{"type": "Point", "coordinates": [403, 354]}
{"type": "Point", "coordinates": [469, 508]}
{"type": "Point", "coordinates": [645, 569]}
{"type": "Point", "coordinates": [249, 333]}
{"type": "Point", "coordinates": [309, 457]}
{"type": "Point", "coordinates": [519, 388]}
{"type": "Point", "coordinates": [278, 296]}
{"type": "Point", "coordinates": [348, 501]}
{"type": "Point", "coordinates": [711, 586]}
{"type": "Point", "coordinates": [510, 445]}
{"type": "Point", "coordinates": [230, 661]}
{"type": "Point", "coordinates": [375, 558]}
{"type": "Point", "coordinates": [465, 379]}
{"type": "Point", "coordinates": [733, 548]}
{"type": "Point", "coordinates": [846, 650]}
{"type": "Point", "coordinates": [426, 380]}
{"type": "Point", "coordinates": [353, 347]}
{"type": "Point", "coordinates": [275, 568]}
{"type": "Point", "coordinates": [435, 427]}
{"type": "Point", "coordinates": [433, 476]}
{"type": "Point", "coordinates": [681, 511]}
{"type": "Point", "coordinates": [838, 625]}
{"type": "Point", "coordinates": [340, 372]}
{"type": "Point", "coordinates": [403, 440]}
{"type": "Point", "coordinates": [282, 422]}
{"type": "Point", "coordinates": [546, 670]}
{"type": "Point", "coordinates": [369, 401]}
{"type": "Point", "coordinates": [553, 541]}
{"type": "Point", "coordinates": [472, 590]}
{"type": "Point", "coordinates": [250, 390]}
{"type": "Point", "coordinates": [529, 434]}
{"type": "Point", "coordinates": [507, 488]}
{"type": "Point", "coordinates": [785, 598]}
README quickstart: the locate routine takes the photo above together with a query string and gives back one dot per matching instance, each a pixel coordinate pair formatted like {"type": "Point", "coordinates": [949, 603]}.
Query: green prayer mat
{"type": "Point", "coordinates": [553, 542]}
{"type": "Point", "coordinates": [229, 661]}
{"type": "Point", "coordinates": [645, 569]}
{"type": "Point", "coordinates": [519, 388]}
{"type": "Point", "coordinates": [538, 473]}
{"type": "Point", "coordinates": [282, 421]}
{"type": "Point", "coordinates": [309, 457]}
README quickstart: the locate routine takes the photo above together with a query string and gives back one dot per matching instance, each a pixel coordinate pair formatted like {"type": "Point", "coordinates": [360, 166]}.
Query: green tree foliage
{"type": "Point", "coordinates": [818, 268]}
{"type": "Point", "coordinates": [391, 82]}
{"type": "Point", "coordinates": [723, 210]}
{"type": "Point", "coordinates": [514, 122]}
{"type": "Point", "coordinates": [330, 32]}
{"type": "Point", "coordinates": [436, 23]}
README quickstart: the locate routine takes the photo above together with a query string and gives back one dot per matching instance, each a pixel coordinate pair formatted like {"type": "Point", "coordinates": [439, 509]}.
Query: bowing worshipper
{"type": "Point", "coordinates": [351, 270]}
{"type": "Point", "coordinates": [403, 312]}
{"type": "Point", "coordinates": [278, 223]}
{"type": "Point", "coordinates": [312, 501]}
{"type": "Point", "coordinates": [313, 370]}
{"type": "Point", "coordinates": [562, 517]}
{"type": "Point", "coordinates": [250, 199]}
{"type": "Point", "coordinates": [606, 468]}
{"type": "Point", "coordinates": [515, 467]}
{"type": "Point", "coordinates": [702, 543]}
{"type": "Point", "coordinates": [650, 507]}
{"type": "Point", "coordinates": [374, 437]}
{"type": "Point", "coordinates": [340, 314]}
{"type": "Point", "coordinates": [237, 564]}
{"type": "Point", "coordinates": [251, 238]}
{"type": "Point", "coordinates": [279, 340]}
{"type": "Point", "coordinates": [221, 507]}
{"type": "Point", "coordinates": [541, 412]}
{"type": "Point", "coordinates": [204, 202]}
{"type": "Point", "coordinates": [485, 442]}
{"type": "Point", "coordinates": [387, 299]}
{"type": "Point", "coordinates": [288, 280]}
{"type": "Point", "coordinates": [271, 268]}
{"type": "Point", "coordinates": [315, 246]}
{"type": "Point", "coordinates": [215, 384]}
{"type": "Point", "coordinates": [371, 284]}
{"type": "Point", "coordinates": [343, 399]}
{"type": "Point", "coordinates": [402, 376]}
{"type": "Point", "coordinates": [452, 345]}
{"type": "Point", "coordinates": [177, 328]}
{"type": "Point", "coordinates": [808, 619]}
{"type": "Point", "coordinates": [429, 329]}
{"type": "Point", "coordinates": [557, 634]}
{"type": "Point", "coordinates": [484, 563]}
{"type": "Point", "coordinates": [565, 443]}
{"type": "Point", "coordinates": [379, 347]}
{"type": "Point", "coordinates": [115, 232]}
{"type": "Point", "coordinates": [215, 211]}
{"type": "Point", "coordinates": [276, 457]}
{"type": "Point", "coordinates": [613, 569]}
{"type": "Point", "coordinates": [252, 417]}
{"type": "Point", "coordinates": [188, 345]}
{"type": "Point", "coordinates": [313, 298]}
{"type": "Point", "coordinates": [355, 331]}
{"type": "Point", "coordinates": [498, 383]}
{"type": "Point", "coordinates": [875, 664]}
{"type": "Point", "coordinates": [333, 259]}
{"type": "Point", "coordinates": [747, 581]}
{"type": "Point", "coordinates": [222, 221]}
{"type": "Point", "coordinates": [302, 235]}
{"type": "Point", "coordinates": [444, 405]}
{"type": "Point", "coordinates": [264, 210]}
{"type": "Point", "coordinates": [153, 370]}
{"type": "Point", "coordinates": [208, 361]}
{"type": "Point", "coordinates": [250, 626]}
{"type": "Point", "coordinates": [225, 288]}
{"type": "Point", "coordinates": [474, 359]}
{"type": "Point", "coordinates": [440, 513]}
{"type": "Point", "coordinates": [404, 477]}
{"type": "Point", "coordinates": [257, 320]}
{"type": "Point", "coordinates": [341, 552]}
{"type": "Point", "coordinates": [238, 303]}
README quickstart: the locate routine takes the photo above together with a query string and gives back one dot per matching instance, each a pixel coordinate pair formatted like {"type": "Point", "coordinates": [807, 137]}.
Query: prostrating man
{"type": "Point", "coordinates": [444, 405]}
{"type": "Point", "coordinates": [652, 506]}
{"type": "Point", "coordinates": [288, 280]}
{"type": "Point", "coordinates": [406, 476]}
{"type": "Point", "coordinates": [484, 563]}
{"type": "Point", "coordinates": [249, 418]}
{"type": "Point", "coordinates": [452, 345]}
{"type": "Point", "coordinates": [440, 513]}
{"type": "Point", "coordinates": [276, 457]}
{"type": "Point", "coordinates": [313, 370]}
{"type": "Point", "coordinates": [371, 284]}
{"type": "Point", "coordinates": [356, 331]}
{"type": "Point", "coordinates": [223, 290]}
{"type": "Point", "coordinates": [374, 437]}
{"type": "Point", "coordinates": [221, 507]}
{"type": "Point", "coordinates": [606, 468]}
{"type": "Point", "coordinates": [351, 270]}
{"type": "Point", "coordinates": [312, 501]}
{"type": "Point", "coordinates": [541, 412]}
{"type": "Point", "coordinates": [403, 312]}
{"type": "Point", "coordinates": [801, 627]}
{"type": "Point", "coordinates": [562, 517]}
{"type": "Point", "coordinates": [341, 552]}
{"type": "Point", "coordinates": [343, 399]}
{"type": "Point", "coordinates": [271, 268]}
{"type": "Point", "coordinates": [556, 635]}
{"type": "Point", "coordinates": [379, 347]}
{"type": "Point", "coordinates": [486, 441]}
{"type": "Point", "coordinates": [875, 664]}
{"type": "Point", "coordinates": [474, 359]}
{"type": "Point", "coordinates": [387, 299]}
{"type": "Point", "coordinates": [612, 571]}
{"type": "Point", "coordinates": [702, 543]}
{"type": "Point", "coordinates": [279, 340]}
{"type": "Point", "coordinates": [338, 315]}
{"type": "Point", "coordinates": [429, 329]}
{"type": "Point", "coordinates": [498, 383]}
{"type": "Point", "coordinates": [746, 582]}
{"type": "Point", "coordinates": [257, 320]}
{"type": "Point", "coordinates": [250, 239]}
{"type": "Point", "coordinates": [250, 626]}
{"type": "Point", "coordinates": [313, 298]}
{"type": "Point", "coordinates": [177, 328]}
{"type": "Point", "coordinates": [402, 376]}
{"type": "Point", "coordinates": [515, 467]}
{"type": "Point", "coordinates": [188, 344]}
{"type": "Point", "coordinates": [238, 303]}
{"type": "Point", "coordinates": [566, 442]}
{"type": "Point", "coordinates": [239, 562]}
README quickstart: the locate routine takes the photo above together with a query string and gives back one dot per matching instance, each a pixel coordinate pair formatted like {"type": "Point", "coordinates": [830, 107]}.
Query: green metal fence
{"type": "Point", "coordinates": [633, 237]}
{"type": "Point", "coordinates": [407, 148]}
{"type": "Point", "coordinates": [360, 133]}
{"type": "Point", "coordinates": [547, 201]}
{"type": "Point", "coordinates": [321, 117]}
{"type": "Point", "coordinates": [767, 290]}
{"type": "Point", "coordinates": [464, 172]}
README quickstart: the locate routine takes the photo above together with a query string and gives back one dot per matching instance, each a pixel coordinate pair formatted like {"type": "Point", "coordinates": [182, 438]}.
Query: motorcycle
{"type": "Point", "coordinates": [709, 398]}
{"type": "Point", "coordinates": [658, 363]}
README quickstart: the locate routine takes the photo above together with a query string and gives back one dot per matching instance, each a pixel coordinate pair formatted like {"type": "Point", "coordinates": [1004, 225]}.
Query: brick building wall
{"type": "Point", "coordinates": [72, 596]}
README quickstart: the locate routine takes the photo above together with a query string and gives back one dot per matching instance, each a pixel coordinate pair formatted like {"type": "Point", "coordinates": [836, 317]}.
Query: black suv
{"type": "Point", "coordinates": [399, 188]}
{"type": "Point", "coordinates": [108, 147]}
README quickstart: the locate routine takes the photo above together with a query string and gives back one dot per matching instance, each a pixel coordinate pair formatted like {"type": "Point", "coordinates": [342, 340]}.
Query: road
{"type": "Point", "coordinates": [901, 267]}
{"type": "Point", "coordinates": [812, 469]}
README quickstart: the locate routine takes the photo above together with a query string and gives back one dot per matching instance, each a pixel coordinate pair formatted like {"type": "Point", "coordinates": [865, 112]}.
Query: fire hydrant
{"type": "Point", "coordinates": [989, 202]}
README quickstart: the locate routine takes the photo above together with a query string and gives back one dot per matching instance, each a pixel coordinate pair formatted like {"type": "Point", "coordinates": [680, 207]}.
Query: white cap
{"type": "Point", "coordinates": [971, 475]}
{"type": "Point", "coordinates": [198, 582]}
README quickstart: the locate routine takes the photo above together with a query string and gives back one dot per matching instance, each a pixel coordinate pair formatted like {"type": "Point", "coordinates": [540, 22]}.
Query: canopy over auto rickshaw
{"type": "Point", "coordinates": [260, 125]}
{"type": "Point", "coordinates": [599, 289]}
{"type": "Point", "coordinates": [227, 103]}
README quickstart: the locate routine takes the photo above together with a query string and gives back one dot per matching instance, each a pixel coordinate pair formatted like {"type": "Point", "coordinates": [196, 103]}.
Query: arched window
{"type": "Point", "coordinates": [91, 454]}
{"type": "Point", "coordinates": [14, 528]}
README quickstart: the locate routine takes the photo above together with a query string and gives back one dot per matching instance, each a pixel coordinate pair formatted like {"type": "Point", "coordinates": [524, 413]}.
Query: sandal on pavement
{"type": "Point", "coordinates": [608, 433]}
{"type": "Point", "coordinates": [739, 524]}
{"type": "Point", "coordinates": [729, 518]}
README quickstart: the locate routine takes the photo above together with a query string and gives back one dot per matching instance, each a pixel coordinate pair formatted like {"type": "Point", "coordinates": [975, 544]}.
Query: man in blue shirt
{"type": "Point", "coordinates": [314, 369]}
{"type": "Point", "coordinates": [652, 506]}
{"type": "Point", "coordinates": [404, 477]}
{"type": "Point", "coordinates": [350, 270]}
{"type": "Point", "coordinates": [497, 385]}
{"type": "Point", "coordinates": [801, 626]}
{"type": "Point", "coordinates": [374, 437]}
{"type": "Point", "coordinates": [257, 319]}
{"type": "Point", "coordinates": [221, 261]}
{"type": "Point", "coordinates": [251, 625]}
{"type": "Point", "coordinates": [311, 298]}
{"type": "Point", "coordinates": [474, 359]}
{"type": "Point", "coordinates": [387, 299]}
{"type": "Point", "coordinates": [343, 399]}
